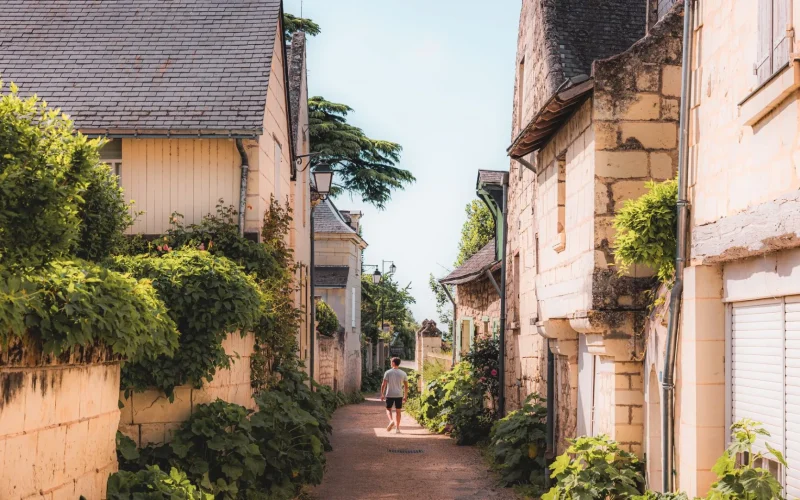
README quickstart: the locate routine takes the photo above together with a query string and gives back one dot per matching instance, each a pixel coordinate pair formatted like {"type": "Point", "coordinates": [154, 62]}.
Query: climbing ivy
{"type": "Point", "coordinates": [208, 297]}
{"type": "Point", "coordinates": [328, 322]}
{"type": "Point", "coordinates": [646, 232]}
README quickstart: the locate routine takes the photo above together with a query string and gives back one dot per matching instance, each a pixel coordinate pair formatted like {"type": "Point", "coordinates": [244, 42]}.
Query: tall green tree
{"type": "Point", "coordinates": [383, 302]}
{"type": "Point", "coordinates": [293, 24]}
{"type": "Point", "coordinates": [476, 232]}
{"type": "Point", "coordinates": [444, 307]}
{"type": "Point", "coordinates": [363, 165]}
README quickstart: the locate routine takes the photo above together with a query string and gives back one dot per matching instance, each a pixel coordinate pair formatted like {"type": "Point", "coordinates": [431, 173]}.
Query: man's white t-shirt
{"type": "Point", "coordinates": [394, 382]}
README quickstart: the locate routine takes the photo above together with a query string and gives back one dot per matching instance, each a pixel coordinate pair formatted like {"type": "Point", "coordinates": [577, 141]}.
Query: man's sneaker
{"type": "Point", "coordinates": [397, 431]}
{"type": "Point", "coordinates": [390, 426]}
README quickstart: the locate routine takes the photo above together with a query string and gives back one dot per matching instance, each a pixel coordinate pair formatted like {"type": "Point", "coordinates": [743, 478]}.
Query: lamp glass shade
{"type": "Point", "coordinates": [376, 277]}
{"type": "Point", "coordinates": [392, 268]}
{"type": "Point", "coordinates": [323, 177]}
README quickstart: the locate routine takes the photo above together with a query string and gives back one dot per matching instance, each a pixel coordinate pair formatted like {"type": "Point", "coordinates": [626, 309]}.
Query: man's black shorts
{"type": "Point", "coordinates": [397, 402]}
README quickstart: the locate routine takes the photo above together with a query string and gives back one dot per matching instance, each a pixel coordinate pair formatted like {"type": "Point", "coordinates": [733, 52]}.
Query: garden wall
{"type": "Point", "coordinates": [331, 361]}
{"type": "Point", "coordinates": [58, 422]}
{"type": "Point", "coordinates": [149, 418]}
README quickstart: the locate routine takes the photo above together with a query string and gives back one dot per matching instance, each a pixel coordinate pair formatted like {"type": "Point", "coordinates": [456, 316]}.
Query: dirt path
{"type": "Point", "coordinates": [362, 467]}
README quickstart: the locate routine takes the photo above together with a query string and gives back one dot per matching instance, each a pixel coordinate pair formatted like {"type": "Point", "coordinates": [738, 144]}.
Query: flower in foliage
{"type": "Point", "coordinates": [483, 379]}
{"type": "Point", "coordinates": [494, 373]}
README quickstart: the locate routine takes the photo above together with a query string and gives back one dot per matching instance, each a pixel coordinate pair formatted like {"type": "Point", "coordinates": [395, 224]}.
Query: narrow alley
{"type": "Point", "coordinates": [368, 462]}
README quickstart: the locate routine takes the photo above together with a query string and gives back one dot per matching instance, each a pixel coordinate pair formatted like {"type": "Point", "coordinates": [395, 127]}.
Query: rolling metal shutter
{"type": "Point", "coordinates": [757, 363]}
{"type": "Point", "coordinates": [793, 396]}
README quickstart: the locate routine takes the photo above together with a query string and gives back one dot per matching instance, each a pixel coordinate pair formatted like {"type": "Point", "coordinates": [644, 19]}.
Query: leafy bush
{"type": "Point", "coordinates": [517, 444]}
{"type": "Point", "coordinates": [153, 484]}
{"type": "Point", "coordinates": [104, 216]}
{"type": "Point", "coordinates": [646, 230]}
{"type": "Point", "coordinates": [371, 382]}
{"type": "Point", "coordinates": [328, 322]}
{"type": "Point", "coordinates": [208, 297]}
{"type": "Point", "coordinates": [433, 369]}
{"type": "Point", "coordinates": [455, 403]}
{"type": "Point", "coordinates": [743, 478]}
{"type": "Point", "coordinates": [484, 359]}
{"type": "Point", "coordinates": [595, 467]}
{"type": "Point", "coordinates": [74, 303]}
{"type": "Point", "coordinates": [44, 167]}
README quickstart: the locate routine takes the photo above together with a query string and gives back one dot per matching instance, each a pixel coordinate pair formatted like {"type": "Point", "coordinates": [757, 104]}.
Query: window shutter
{"type": "Point", "coordinates": [763, 66]}
{"type": "Point", "coordinates": [757, 356]}
{"type": "Point", "coordinates": [780, 42]}
{"type": "Point", "coordinates": [793, 397]}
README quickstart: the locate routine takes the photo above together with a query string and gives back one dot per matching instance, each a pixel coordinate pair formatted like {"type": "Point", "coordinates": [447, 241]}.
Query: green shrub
{"type": "Point", "coordinates": [646, 230]}
{"type": "Point", "coordinates": [208, 297]}
{"type": "Point", "coordinates": [484, 359]}
{"type": "Point", "coordinates": [153, 484]}
{"type": "Point", "coordinates": [371, 382]}
{"type": "Point", "coordinates": [104, 217]}
{"type": "Point", "coordinates": [76, 303]}
{"type": "Point", "coordinates": [742, 479]}
{"type": "Point", "coordinates": [433, 369]}
{"type": "Point", "coordinates": [455, 403]}
{"type": "Point", "coordinates": [44, 169]}
{"type": "Point", "coordinates": [595, 467]}
{"type": "Point", "coordinates": [328, 322]}
{"type": "Point", "coordinates": [517, 444]}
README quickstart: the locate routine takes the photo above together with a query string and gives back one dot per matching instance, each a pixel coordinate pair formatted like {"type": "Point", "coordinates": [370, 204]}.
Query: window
{"type": "Point", "coordinates": [277, 170]}
{"type": "Point", "coordinates": [111, 154]}
{"type": "Point", "coordinates": [520, 93]}
{"type": "Point", "coordinates": [773, 43]}
{"type": "Point", "coordinates": [561, 212]}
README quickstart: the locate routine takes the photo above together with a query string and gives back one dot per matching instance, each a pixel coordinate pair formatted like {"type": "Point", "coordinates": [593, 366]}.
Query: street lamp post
{"type": "Point", "coordinates": [376, 278]}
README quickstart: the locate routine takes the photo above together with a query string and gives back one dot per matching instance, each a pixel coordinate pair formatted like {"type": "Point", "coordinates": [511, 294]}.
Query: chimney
{"type": "Point", "coordinates": [355, 217]}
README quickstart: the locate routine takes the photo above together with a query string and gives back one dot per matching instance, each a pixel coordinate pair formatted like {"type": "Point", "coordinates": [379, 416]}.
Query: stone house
{"type": "Point", "coordinates": [595, 117]}
{"type": "Point", "coordinates": [337, 281]}
{"type": "Point", "coordinates": [477, 300]}
{"type": "Point", "coordinates": [194, 96]}
{"type": "Point", "coordinates": [739, 340]}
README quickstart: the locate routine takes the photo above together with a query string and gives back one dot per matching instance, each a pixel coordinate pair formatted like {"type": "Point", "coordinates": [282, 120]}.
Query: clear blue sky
{"type": "Point", "coordinates": [437, 77]}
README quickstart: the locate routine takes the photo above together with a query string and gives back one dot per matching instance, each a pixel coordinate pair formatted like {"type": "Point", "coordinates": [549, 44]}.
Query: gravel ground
{"type": "Point", "coordinates": [362, 467]}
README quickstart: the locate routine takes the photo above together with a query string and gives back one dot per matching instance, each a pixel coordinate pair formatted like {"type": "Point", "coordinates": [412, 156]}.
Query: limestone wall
{"type": "Point", "coordinates": [331, 362]}
{"type": "Point", "coordinates": [58, 422]}
{"type": "Point", "coordinates": [149, 418]}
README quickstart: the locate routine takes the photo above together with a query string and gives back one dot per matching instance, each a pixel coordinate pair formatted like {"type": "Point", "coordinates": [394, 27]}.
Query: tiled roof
{"type": "Point", "coordinates": [187, 66]}
{"type": "Point", "coordinates": [587, 30]}
{"type": "Point", "coordinates": [331, 276]}
{"type": "Point", "coordinates": [297, 56]}
{"type": "Point", "coordinates": [491, 177]}
{"type": "Point", "coordinates": [327, 219]}
{"type": "Point", "coordinates": [474, 268]}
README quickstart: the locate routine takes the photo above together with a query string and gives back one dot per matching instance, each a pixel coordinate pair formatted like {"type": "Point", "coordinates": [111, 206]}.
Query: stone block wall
{"type": "Point", "coordinates": [58, 423]}
{"type": "Point", "coordinates": [330, 362]}
{"type": "Point", "coordinates": [148, 417]}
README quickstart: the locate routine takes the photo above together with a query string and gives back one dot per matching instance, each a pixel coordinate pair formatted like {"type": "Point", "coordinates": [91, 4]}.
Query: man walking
{"type": "Point", "coordinates": [394, 390]}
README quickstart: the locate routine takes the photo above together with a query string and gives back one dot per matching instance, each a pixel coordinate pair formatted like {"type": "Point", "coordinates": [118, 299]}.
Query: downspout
{"type": "Point", "coordinates": [242, 185]}
{"type": "Point", "coordinates": [550, 426]}
{"type": "Point", "coordinates": [449, 296]}
{"type": "Point", "coordinates": [313, 323]}
{"type": "Point", "coordinates": [670, 355]}
{"type": "Point", "coordinates": [501, 399]}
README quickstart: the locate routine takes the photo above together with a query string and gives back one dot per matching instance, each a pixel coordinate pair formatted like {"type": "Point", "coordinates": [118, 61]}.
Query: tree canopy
{"type": "Point", "coordinates": [444, 307]}
{"type": "Point", "coordinates": [292, 24]}
{"type": "Point", "coordinates": [363, 165]}
{"type": "Point", "coordinates": [477, 231]}
{"type": "Point", "coordinates": [384, 301]}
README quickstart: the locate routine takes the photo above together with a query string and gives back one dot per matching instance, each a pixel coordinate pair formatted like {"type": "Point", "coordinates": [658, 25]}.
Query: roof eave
{"type": "Point", "coordinates": [172, 133]}
{"type": "Point", "coordinates": [469, 278]}
{"type": "Point", "coordinates": [550, 118]}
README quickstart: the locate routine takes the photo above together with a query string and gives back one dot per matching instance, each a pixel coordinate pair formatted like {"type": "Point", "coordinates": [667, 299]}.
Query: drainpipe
{"type": "Point", "coordinates": [501, 400]}
{"type": "Point", "coordinates": [550, 427]}
{"type": "Point", "coordinates": [242, 185]}
{"type": "Point", "coordinates": [447, 292]}
{"type": "Point", "coordinates": [670, 355]}
{"type": "Point", "coordinates": [312, 324]}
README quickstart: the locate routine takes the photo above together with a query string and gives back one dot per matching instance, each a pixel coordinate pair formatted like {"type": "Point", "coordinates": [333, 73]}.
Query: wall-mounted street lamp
{"type": "Point", "coordinates": [323, 178]}
{"type": "Point", "coordinates": [376, 276]}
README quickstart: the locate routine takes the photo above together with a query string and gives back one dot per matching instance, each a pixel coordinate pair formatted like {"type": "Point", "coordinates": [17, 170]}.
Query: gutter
{"type": "Point", "coordinates": [550, 425]}
{"type": "Point", "coordinates": [671, 353]}
{"type": "Point", "coordinates": [242, 185]}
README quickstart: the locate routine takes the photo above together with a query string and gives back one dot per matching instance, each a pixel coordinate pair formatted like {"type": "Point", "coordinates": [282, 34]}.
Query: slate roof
{"type": "Point", "coordinates": [328, 219]}
{"type": "Point", "coordinates": [586, 30]}
{"type": "Point", "coordinates": [474, 268]}
{"type": "Point", "coordinates": [296, 55]}
{"type": "Point", "coordinates": [491, 176]}
{"type": "Point", "coordinates": [186, 66]}
{"type": "Point", "coordinates": [331, 276]}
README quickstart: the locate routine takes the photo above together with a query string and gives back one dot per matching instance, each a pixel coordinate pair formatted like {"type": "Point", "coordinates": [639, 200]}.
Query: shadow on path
{"type": "Point", "coordinates": [361, 465]}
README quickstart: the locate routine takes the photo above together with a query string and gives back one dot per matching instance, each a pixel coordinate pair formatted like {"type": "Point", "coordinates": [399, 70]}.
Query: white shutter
{"type": "Point", "coordinates": [585, 388]}
{"type": "Point", "coordinates": [793, 397]}
{"type": "Point", "coordinates": [757, 381]}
